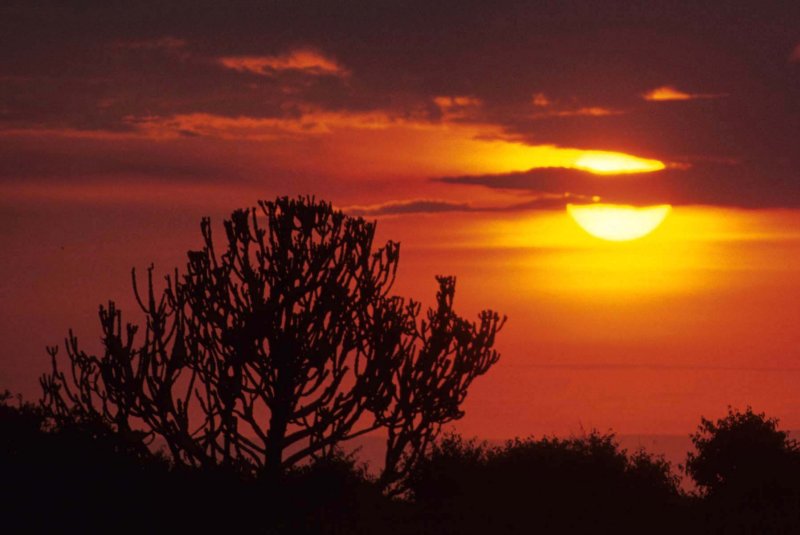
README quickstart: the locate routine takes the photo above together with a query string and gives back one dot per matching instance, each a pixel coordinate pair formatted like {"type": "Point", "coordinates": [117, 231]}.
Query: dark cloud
{"type": "Point", "coordinates": [410, 206]}
{"type": "Point", "coordinates": [716, 183]}
{"type": "Point", "coordinates": [169, 44]}
{"type": "Point", "coordinates": [429, 206]}
{"type": "Point", "coordinates": [107, 66]}
{"type": "Point", "coordinates": [26, 159]}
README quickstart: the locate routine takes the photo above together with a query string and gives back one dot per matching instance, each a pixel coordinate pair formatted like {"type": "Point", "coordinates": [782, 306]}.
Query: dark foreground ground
{"type": "Point", "coordinates": [80, 479]}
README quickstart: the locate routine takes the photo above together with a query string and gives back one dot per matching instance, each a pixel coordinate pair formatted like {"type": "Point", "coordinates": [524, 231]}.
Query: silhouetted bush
{"type": "Point", "coordinates": [335, 495]}
{"type": "Point", "coordinates": [72, 477]}
{"type": "Point", "coordinates": [86, 478]}
{"type": "Point", "coordinates": [577, 485]}
{"type": "Point", "coordinates": [748, 471]}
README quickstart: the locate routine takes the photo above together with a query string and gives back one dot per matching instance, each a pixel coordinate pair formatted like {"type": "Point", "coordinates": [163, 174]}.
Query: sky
{"type": "Point", "coordinates": [465, 129]}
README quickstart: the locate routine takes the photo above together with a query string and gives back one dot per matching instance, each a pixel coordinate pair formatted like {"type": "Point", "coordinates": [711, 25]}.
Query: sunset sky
{"type": "Point", "coordinates": [465, 129]}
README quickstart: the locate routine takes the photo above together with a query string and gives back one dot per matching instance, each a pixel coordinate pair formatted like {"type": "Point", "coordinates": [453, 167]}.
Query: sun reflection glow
{"type": "Point", "coordinates": [616, 222]}
{"type": "Point", "coordinates": [547, 254]}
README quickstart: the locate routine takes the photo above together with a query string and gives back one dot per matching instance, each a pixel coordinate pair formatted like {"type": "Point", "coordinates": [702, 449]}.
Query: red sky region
{"type": "Point", "coordinates": [464, 131]}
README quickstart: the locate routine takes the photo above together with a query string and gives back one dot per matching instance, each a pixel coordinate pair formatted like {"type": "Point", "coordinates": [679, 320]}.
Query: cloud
{"type": "Point", "coordinates": [409, 206]}
{"type": "Point", "coordinates": [668, 92]}
{"type": "Point", "coordinates": [168, 46]}
{"type": "Point", "coordinates": [457, 107]}
{"type": "Point", "coordinates": [307, 61]}
{"type": "Point", "coordinates": [75, 157]}
{"type": "Point", "coordinates": [160, 43]}
{"type": "Point", "coordinates": [540, 201]}
{"type": "Point", "coordinates": [705, 182]}
{"type": "Point", "coordinates": [307, 121]}
{"type": "Point", "coordinates": [540, 100]}
{"type": "Point", "coordinates": [446, 103]}
{"type": "Point", "coordinates": [592, 111]}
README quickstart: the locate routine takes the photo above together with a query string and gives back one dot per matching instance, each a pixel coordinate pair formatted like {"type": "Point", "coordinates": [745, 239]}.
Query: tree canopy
{"type": "Point", "coordinates": [748, 470]}
{"type": "Point", "coordinates": [278, 346]}
{"type": "Point", "coordinates": [742, 449]}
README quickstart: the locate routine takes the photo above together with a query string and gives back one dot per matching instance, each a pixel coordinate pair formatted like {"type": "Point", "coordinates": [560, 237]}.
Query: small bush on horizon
{"type": "Point", "coordinates": [748, 471]}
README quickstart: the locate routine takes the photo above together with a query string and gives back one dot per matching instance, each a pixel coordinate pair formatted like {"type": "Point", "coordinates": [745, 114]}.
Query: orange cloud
{"type": "Point", "coordinates": [460, 102]}
{"type": "Point", "coordinates": [456, 107]}
{"type": "Point", "coordinates": [304, 60]}
{"type": "Point", "coordinates": [540, 100]}
{"type": "Point", "coordinates": [668, 92]}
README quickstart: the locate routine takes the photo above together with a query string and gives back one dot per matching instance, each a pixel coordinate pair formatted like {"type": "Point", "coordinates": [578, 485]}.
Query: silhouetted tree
{"type": "Point", "coordinates": [279, 349]}
{"type": "Point", "coordinates": [749, 474]}
{"type": "Point", "coordinates": [741, 448]}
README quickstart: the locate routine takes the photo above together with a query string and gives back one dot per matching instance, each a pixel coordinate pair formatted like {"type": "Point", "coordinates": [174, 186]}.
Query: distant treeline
{"type": "Point", "coordinates": [81, 477]}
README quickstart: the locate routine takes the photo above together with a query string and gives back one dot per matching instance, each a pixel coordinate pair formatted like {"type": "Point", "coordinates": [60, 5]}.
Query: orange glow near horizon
{"type": "Point", "coordinates": [703, 308]}
{"type": "Point", "coordinates": [616, 222]}
{"type": "Point", "coordinates": [548, 254]}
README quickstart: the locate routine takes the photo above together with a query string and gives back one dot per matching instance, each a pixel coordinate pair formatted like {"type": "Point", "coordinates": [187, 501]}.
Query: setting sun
{"type": "Point", "coordinates": [616, 222]}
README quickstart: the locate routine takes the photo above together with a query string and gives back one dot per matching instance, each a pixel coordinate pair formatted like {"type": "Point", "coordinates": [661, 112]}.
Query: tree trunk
{"type": "Point", "coordinates": [275, 436]}
{"type": "Point", "coordinates": [280, 413]}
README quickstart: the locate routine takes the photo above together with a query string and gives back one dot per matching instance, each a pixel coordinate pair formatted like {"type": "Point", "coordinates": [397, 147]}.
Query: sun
{"type": "Point", "coordinates": [618, 222]}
